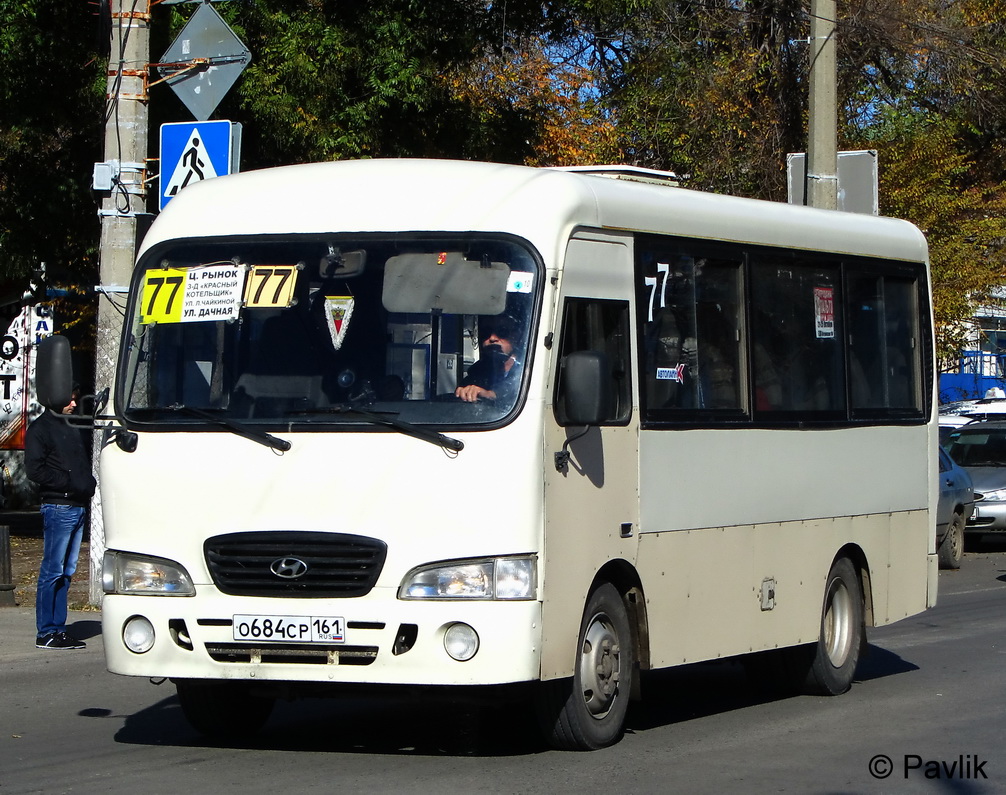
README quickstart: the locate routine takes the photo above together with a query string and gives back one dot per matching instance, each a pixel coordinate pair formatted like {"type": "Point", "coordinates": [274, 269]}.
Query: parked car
{"type": "Point", "coordinates": [955, 507]}
{"type": "Point", "coordinates": [980, 448]}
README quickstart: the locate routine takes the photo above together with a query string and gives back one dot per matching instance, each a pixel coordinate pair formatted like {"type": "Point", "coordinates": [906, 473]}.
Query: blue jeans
{"type": "Point", "coordinates": [63, 526]}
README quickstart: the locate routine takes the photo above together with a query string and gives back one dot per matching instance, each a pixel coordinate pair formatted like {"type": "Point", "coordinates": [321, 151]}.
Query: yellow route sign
{"type": "Point", "coordinates": [271, 286]}
{"type": "Point", "coordinates": [161, 299]}
{"type": "Point", "coordinates": [192, 295]}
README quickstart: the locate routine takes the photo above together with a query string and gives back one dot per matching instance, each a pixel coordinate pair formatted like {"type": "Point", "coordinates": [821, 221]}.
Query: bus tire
{"type": "Point", "coordinates": [587, 711]}
{"type": "Point", "coordinates": [836, 653]}
{"type": "Point", "coordinates": [224, 709]}
{"type": "Point", "coordinates": [952, 547]}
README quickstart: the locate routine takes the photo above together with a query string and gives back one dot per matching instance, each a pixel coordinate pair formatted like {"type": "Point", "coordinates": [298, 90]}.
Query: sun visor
{"type": "Point", "coordinates": [445, 281]}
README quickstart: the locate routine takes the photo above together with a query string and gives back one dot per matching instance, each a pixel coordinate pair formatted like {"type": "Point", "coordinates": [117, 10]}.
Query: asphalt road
{"type": "Point", "coordinates": [925, 716]}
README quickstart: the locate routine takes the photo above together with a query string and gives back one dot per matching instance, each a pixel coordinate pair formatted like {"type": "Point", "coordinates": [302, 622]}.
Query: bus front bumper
{"type": "Point", "coordinates": [385, 641]}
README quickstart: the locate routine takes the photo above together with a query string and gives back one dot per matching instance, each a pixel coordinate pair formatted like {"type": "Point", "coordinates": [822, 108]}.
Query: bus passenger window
{"type": "Point", "coordinates": [883, 348]}
{"type": "Point", "coordinates": [692, 340]}
{"type": "Point", "coordinates": [797, 341]}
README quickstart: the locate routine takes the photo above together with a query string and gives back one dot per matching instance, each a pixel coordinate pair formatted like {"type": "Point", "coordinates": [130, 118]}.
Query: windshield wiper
{"type": "Point", "coordinates": [416, 431]}
{"type": "Point", "coordinates": [241, 430]}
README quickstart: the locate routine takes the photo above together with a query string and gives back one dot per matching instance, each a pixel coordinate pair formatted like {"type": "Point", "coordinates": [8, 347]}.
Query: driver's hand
{"type": "Point", "coordinates": [471, 393]}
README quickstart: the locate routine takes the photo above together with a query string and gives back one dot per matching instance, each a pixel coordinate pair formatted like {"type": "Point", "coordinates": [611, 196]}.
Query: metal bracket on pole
{"type": "Point", "coordinates": [119, 214]}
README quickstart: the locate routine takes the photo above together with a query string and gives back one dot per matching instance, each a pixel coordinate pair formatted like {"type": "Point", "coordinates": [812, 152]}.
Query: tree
{"type": "Point", "coordinates": [717, 90]}
{"type": "Point", "coordinates": [557, 93]}
{"type": "Point", "coordinates": [51, 98]}
{"type": "Point", "coordinates": [340, 80]}
{"type": "Point", "coordinates": [710, 90]}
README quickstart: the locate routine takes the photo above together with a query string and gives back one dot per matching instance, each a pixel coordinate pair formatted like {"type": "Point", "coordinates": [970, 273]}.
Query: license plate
{"type": "Point", "coordinates": [290, 629]}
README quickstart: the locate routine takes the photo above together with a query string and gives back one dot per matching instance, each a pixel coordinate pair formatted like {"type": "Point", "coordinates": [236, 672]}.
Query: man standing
{"type": "Point", "coordinates": [56, 460]}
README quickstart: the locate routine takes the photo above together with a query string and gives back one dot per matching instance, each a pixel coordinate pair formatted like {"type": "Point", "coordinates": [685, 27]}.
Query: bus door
{"type": "Point", "coordinates": [591, 487]}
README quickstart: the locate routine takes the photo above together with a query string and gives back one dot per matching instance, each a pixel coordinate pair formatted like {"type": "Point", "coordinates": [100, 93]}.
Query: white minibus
{"type": "Point", "coordinates": [455, 424]}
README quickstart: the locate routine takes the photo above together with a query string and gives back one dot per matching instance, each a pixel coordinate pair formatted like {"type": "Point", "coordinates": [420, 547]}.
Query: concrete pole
{"type": "Point", "coordinates": [822, 138]}
{"type": "Point", "coordinates": [126, 150]}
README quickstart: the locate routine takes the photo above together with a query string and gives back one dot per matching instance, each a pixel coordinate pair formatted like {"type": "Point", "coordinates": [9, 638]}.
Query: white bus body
{"type": "Point", "coordinates": [703, 511]}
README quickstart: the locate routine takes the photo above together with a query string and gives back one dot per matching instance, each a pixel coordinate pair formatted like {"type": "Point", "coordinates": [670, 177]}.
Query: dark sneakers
{"type": "Point", "coordinates": [58, 640]}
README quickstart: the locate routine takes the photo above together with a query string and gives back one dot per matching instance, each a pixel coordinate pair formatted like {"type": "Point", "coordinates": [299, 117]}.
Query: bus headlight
{"type": "Point", "coordinates": [492, 578]}
{"type": "Point", "coordinates": [141, 575]}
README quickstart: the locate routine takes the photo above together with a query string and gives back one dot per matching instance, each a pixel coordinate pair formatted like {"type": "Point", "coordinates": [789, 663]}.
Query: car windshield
{"type": "Point", "coordinates": [305, 332]}
{"type": "Point", "coordinates": [978, 447]}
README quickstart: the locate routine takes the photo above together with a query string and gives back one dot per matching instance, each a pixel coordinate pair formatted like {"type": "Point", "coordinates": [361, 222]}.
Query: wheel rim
{"type": "Point", "coordinates": [955, 539]}
{"type": "Point", "coordinates": [599, 666]}
{"type": "Point", "coordinates": [838, 624]}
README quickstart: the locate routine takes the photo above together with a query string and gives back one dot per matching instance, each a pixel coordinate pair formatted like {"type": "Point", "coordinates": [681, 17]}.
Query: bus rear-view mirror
{"type": "Point", "coordinates": [54, 373]}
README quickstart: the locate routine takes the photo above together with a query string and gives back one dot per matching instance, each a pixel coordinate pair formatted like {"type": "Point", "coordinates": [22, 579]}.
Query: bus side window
{"type": "Point", "coordinates": [603, 326]}
{"type": "Point", "coordinates": [799, 362]}
{"type": "Point", "coordinates": [692, 331]}
{"type": "Point", "coordinates": [883, 342]}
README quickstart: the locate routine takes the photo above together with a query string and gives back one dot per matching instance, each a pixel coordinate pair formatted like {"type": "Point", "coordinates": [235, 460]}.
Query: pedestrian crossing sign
{"type": "Point", "coordinates": [194, 151]}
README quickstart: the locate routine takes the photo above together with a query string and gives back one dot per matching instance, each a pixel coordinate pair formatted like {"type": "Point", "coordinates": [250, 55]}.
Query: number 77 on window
{"type": "Point", "coordinates": [163, 295]}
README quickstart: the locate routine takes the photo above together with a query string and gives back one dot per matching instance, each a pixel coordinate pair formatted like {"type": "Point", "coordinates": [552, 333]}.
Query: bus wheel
{"type": "Point", "coordinates": [952, 548]}
{"type": "Point", "coordinates": [223, 709]}
{"type": "Point", "coordinates": [587, 711]}
{"type": "Point", "coordinates": [842, 631]}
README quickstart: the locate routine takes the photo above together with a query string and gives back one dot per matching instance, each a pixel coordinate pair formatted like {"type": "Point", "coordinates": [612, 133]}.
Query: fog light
{"type": "Point", "coordinates": [138, 635]}
{"type": "Point", "coordinates": [461, 642]}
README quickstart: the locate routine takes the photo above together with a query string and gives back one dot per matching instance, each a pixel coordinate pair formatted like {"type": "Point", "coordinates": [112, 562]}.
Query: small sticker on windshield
{"type": "Point", "coordinates": [519, 282]}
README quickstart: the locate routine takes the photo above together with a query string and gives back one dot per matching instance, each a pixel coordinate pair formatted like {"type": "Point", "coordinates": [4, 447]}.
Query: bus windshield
{"type": "Point", "coordinates": [309, 331]}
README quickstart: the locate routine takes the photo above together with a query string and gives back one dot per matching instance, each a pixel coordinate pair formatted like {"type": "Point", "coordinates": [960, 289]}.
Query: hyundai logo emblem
{"type": "Point", "coordinates": [288, 568]}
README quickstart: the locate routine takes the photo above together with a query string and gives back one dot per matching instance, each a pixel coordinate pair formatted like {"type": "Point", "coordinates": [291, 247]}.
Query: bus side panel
{"type": "Point", "coordinates": [704, 590]}
{"type": "Point", "coordinates": [910, 539]}
{"type": "Point", "coordinates": [691, 479]}
{"type": "Point", "coordinates": [719, 592]}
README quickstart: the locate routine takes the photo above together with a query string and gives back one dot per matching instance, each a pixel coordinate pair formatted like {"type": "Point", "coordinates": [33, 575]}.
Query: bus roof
{"type": "Point", "coordinates": [539, 204]}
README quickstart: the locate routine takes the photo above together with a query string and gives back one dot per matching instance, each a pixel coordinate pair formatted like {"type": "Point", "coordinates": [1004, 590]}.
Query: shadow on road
{"type": "Point", "coordinates": [85, 630]}
{"type": "Point", "coordinates": [407, 723]}
{"type": "Point", "coordinates": [380, 725]}
{"type": "Point", "coordinates": [878, 663]}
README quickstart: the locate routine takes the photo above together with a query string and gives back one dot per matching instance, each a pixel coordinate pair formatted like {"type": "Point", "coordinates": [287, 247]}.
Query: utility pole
{"type": "Point", "coordinates": [123, 210]}
{"type": "Point", "coordinates": [822, 138]}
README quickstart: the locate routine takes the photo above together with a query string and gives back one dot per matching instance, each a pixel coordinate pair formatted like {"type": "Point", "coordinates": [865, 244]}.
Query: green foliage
{"type": "Point", "coordinates": [334, 80]}
{"type": "Point", "coordinates": [51, 99]}
{"type": "Point", "coordinates": [715, 90]}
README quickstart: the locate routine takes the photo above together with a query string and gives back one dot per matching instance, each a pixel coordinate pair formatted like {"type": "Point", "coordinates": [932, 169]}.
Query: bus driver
{"type": "Point", "coordinates": [497, 371]}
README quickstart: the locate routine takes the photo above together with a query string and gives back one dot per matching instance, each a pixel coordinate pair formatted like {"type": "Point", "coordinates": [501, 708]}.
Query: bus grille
{"type": "Point", "coordinates": [294, 564]}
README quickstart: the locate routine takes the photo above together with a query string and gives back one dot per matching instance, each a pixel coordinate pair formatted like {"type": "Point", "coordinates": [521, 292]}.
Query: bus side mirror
{"type": "Point", "coordinates": [54, 373]}
{"type": "Point", "coordinates": [587, 388]}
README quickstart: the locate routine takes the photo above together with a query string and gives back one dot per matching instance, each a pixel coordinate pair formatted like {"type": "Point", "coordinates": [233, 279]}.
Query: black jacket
{"type": "Point", "coordinates": [55, 458]}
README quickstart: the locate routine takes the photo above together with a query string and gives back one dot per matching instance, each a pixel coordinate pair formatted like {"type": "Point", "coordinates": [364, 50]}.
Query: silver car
{"type": "Point", "coordinates": [952, 512]}
{"type": "Point", "coordinates": [980, 448]}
